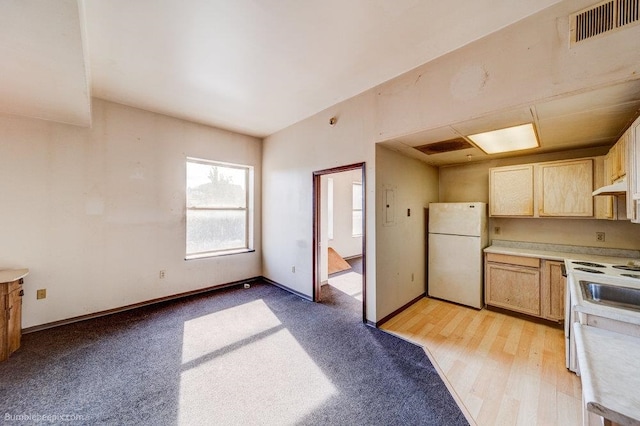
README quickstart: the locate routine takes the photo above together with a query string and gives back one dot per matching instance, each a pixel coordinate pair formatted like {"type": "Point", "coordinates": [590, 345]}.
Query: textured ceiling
{"type": "Point", "coordinates": [253, 66]}
{"type": "Point", "coordinates": [258, 66]}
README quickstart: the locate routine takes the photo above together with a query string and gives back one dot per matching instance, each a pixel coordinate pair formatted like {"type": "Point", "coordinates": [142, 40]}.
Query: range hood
{"type": "Point", "coordinates": [617, 188]}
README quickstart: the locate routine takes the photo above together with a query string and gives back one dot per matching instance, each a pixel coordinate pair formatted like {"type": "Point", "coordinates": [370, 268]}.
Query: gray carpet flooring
{"type": "Point", "coordinates": [235, 356]}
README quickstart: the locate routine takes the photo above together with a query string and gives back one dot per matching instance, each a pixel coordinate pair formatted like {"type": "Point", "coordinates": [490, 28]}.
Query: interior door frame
{"type": "Point", "coordinates": [317, 215]}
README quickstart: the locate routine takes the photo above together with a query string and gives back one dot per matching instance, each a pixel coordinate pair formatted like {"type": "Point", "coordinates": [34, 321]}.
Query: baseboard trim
{"type": "Point", "coordinates": [166, 299]}
{"type": "Point", "coordinates": [284, 287]}
{"type": "Point", "coordinates": [355, 256]}
{"type": "Point", "coordinates": [138, 305]}
{"type": "Point", "coordinates": [397, 311]}
{"type": "Point", "coordinates": [370, 324]}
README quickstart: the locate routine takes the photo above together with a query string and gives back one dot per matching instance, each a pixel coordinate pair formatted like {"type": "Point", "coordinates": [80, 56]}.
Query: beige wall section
{"type": "Point", "coordinates": [470, 182]}
{"type": "Point", "coordinates": [289, 159]}
{"type": "Point", "coordinates": [482, 78]}
{"type": "Point", "coordinates": [400, 247]}
{"type": "Point", "coordinates": [96, 213]}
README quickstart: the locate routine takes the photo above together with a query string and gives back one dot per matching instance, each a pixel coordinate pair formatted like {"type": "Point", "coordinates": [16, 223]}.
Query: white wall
{"type": "Point", "coordinates": [400, 246]}
{"type": "Point", "coordinates": [343, 242]}
{"type": "Point", "coordinates": [96, 213]}
{"type": "Point", "coordinates": [289, 159]}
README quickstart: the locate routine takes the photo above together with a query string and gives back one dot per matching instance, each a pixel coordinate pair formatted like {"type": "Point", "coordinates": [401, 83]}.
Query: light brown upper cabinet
{"type": "Point", "coordinates": [614, 168]}
{"type": "Point", "coordinates": [565, 188]}
{"type": "Point", "coordinates": [618, 158]}
{"type": "Point", "coordinates": [511, 191]}
{"type": "Point", "coordinates": [605, 205]}
{"type": "Point", "coordinates": [549, 189]}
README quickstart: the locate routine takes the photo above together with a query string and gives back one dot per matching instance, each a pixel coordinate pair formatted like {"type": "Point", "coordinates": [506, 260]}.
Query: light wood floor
{"type": "Point", "coordinates": [502, 370]}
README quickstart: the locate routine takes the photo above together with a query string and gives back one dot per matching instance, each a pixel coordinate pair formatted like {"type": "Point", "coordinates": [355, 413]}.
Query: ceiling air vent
{"type": "Point", "coordinates": [602, 18]}
{"type": "Point", "coordinates": [444, 146]}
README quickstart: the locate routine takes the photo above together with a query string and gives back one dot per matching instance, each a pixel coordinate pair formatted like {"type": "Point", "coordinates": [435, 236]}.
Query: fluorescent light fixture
{"type": "Point", "coordinates": [506, 140]}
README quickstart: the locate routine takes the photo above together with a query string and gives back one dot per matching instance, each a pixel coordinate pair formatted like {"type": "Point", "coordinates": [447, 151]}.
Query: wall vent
{"type": "Point", "coordinates": [602, 18]}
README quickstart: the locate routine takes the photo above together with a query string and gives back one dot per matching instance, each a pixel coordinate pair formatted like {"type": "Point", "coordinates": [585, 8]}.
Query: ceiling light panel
{"type": "Point", "coordinates": [506, 140]}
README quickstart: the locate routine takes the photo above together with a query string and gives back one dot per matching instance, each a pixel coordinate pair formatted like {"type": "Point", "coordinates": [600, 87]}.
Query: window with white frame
{"type": "Point", "coordinates": [219, 198]}
{"type": "Point", "coordinates": [356, 222]}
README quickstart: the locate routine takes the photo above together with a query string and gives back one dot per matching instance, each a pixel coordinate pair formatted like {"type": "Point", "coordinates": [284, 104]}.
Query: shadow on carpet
{"type": "Point", "coordinates": [235, 356]}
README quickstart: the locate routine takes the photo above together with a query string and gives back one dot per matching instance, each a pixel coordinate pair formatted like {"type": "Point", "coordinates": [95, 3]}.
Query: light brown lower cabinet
{"type": "Point", "coordinates": [553, 287]}
{"type": "Point", "coordinates": [11, 319]}
{"type": "Point", "coordinates": [525, 284]}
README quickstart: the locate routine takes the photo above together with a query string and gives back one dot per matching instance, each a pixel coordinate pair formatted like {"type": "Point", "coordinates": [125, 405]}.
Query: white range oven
{"type": "Point", "coordinates": [619, 274]}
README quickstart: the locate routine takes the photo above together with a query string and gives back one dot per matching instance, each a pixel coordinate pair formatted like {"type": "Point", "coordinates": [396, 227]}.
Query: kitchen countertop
{"type": "Point", "coordinates": [9, 275]}
{"type": "Point", "coordinates": [608, 364]}
{"type": "Point", "coordinates": [559, 252]}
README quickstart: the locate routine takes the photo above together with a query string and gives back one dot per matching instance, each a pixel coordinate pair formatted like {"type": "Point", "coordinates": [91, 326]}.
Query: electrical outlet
{"type": "Point", "coordinates": [293, 269]}
{"type": "Point", "coordinates": [41, 293]}
{"type": "Point", "coordinates": [162, 274]}
{"type": "Point", "coordinates": [600, 236]}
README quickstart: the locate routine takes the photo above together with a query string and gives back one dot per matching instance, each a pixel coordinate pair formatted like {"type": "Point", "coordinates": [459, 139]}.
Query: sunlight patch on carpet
{"type": "Point", "coordinates": [242, 366]}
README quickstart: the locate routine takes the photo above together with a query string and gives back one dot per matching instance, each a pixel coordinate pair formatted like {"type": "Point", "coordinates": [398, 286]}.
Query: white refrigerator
{"type": "Point", "coordinates": [457, 235]}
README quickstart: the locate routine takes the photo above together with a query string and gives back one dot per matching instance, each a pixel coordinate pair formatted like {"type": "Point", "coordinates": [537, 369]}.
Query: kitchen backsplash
{"type": "Point", "coordinates": [565, 248]}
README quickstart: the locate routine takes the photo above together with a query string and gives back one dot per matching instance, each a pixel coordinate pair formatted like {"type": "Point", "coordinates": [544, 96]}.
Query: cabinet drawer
{"type": "Point", "coordinates": [531, 262]}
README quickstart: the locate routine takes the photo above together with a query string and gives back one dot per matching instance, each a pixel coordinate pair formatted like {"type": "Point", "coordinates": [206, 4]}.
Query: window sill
{"type": "Point", "coordinates": [217, 254]}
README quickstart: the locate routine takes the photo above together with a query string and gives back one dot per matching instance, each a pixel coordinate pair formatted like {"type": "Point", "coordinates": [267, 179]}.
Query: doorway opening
{"type": "Point", "coordinates": [339, 232]}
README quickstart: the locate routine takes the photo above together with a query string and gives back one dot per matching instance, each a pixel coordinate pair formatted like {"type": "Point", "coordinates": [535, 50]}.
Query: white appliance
{"type": "Point", "coordinates": [457, 235]}
{"type": "Point", "coordinates": [614, 273]}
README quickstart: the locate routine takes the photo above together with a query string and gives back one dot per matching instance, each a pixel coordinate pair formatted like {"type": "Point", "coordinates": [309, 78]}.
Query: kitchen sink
{"type": "Point", "coordinates": [611, 295]}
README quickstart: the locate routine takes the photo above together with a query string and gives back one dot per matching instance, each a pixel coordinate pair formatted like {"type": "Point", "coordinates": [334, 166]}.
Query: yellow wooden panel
{"type": "Point", "coordinates": [565, 188]}
{"type": "Point", "coordinates": [511, 191]}
{"type": "Point", "coordinates": [514, 288]}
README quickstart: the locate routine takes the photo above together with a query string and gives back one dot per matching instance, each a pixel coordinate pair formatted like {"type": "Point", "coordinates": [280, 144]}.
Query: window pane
{"type": "Point", "coordinates": [356, 222]}
{"type": "Point", "coordinates": [357, 196]}
{"type": "Point", "coordinates": [356, 205]}
{"type": "Point", "coordinates": [214, 230]}
{"type": "Point", "coordinates": [211, 185]}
